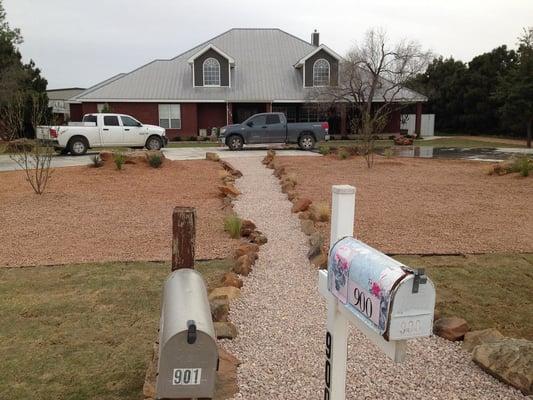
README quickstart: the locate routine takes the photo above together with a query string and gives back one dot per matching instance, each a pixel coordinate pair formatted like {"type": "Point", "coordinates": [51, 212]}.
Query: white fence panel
{"type": "Point", "coordinates": [427, 126]}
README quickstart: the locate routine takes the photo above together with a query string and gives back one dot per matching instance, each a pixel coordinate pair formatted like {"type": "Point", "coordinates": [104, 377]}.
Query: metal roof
{"type": "Point", "coordinates": [64, 93]}
{"type": "Point", "coordinates": [264, 71]}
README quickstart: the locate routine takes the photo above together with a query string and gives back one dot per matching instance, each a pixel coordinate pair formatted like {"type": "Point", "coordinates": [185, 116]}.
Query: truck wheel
{"type": "Point", "coordinates": [235, 142]}
{"type": "Point", "coordinates": [306, 142]}
{"type": "Point", "coordinates": [154, 143]}
{"type": "Point", "coordinates": [78, 146]}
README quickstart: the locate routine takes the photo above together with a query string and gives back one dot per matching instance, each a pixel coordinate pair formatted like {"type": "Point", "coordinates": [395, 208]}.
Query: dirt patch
{"type": "Point", "coordinates": [101, 214]}
{"type": "Point", "coordinates": [415, 206]}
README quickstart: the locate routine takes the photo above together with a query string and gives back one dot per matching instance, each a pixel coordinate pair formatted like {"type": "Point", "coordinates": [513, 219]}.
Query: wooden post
{"type": "Point", "coordinates": [183, 237]}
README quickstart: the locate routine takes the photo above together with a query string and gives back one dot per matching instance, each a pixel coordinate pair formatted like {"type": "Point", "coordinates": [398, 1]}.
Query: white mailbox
{"type": "Point", "coordinates": [392, 299]}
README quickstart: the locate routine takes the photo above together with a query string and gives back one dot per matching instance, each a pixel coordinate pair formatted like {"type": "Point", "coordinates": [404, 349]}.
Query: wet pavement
{"type": "Point", "coordinates": [455, 153]}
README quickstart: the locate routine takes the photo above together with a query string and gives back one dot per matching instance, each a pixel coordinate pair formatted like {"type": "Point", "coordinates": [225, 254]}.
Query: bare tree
{"type": "Point", "coordinates": [13, 117]}
{"type": "Point", "coordinates": [35, 161]}
{"type": "Point", "coordinates": [371, 82]}
{"type": "Point", "coordinates": [39, 110]}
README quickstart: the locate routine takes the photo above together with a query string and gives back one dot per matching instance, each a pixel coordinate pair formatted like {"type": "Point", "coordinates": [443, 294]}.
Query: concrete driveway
{"type": "Point", "coordinates": [185, 153]}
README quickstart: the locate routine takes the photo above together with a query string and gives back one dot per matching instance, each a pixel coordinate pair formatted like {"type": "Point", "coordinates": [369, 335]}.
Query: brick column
{"type": "Point", "coordinates": [269, 107]}
{"type": "Point", "coordinates": [418, 120]}
{"type": "Point", "coordinates": [229, 113]}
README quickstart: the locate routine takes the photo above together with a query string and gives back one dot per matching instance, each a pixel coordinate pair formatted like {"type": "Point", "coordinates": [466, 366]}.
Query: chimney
{"type": "Point", "coordinates": [315, 38]}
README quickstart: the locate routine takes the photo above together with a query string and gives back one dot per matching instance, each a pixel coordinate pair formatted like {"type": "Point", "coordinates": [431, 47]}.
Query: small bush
{"type": "Point", "coordinates": [119, 159]}
{"type": "Point", "coordinates": [19, 146]}
{"type": "Point", "coordinates": [154, 159]}
{"type": "Point", "coordinates": [324, 150]}
{"type": "Point", "coordinates": [320, 212]}
{"type": "Point", "coordinates": [343, 154]}
{"type": "Point", "coordinates": [192, 139]}
{"type": "Point", "coordinates": [388, 152]}
{"type": "Point", "coordinates": [392, 137]}
{"type": "Point", "coordinates": [522, 165]}
{"type": "Point", "coordinates": [232, 225]}
{"type": "Point", "coordinates": [97, 161]}
{"type": "Point", "coordinates": [177, 139]}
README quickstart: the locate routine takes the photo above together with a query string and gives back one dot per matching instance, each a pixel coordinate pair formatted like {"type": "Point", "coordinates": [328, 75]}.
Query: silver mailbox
{"type": "Point", "coordinates": [188, 355]}
{"type": "Point", "coordinates": [392, 299]}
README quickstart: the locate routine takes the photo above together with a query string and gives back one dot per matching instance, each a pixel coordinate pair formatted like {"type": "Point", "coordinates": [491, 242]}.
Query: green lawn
{"type": "Point", "coordinates": [81, 331]}
{"type": "Point", "coordinates": [489, 290]}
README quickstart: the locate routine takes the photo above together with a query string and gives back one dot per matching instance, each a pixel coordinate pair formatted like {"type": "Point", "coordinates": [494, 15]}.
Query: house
{"type": "Point", "coordinates": [57, 101]}
{"type": "Point", "coordinates": [225, 80]}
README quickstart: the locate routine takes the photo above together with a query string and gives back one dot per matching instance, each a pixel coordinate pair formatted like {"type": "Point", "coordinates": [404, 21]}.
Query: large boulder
{"type": "Point", "coordinates": [226, 382]}
{"type": "Point", "coordinates": [475, 338]}
{"type": "Point", "coordinates": [243, 265]}
{"type": "Point", "coordinates": [225, 330]}
{"type": "Point", "coordinates": [230, 291]}
{"type": "Point", "coordinates": [258, 237]}
{"type": "Point", "coordinates": [219, 308]}
{"type": "Point", "coordinates": [301, 205]}
{"type": "Point", "coordinates": [510, 360]}
{"type": "Point", "coordinates": [232, 279]}
{"type": "Point", "coordinates": [247, 227]}
{"type": "Point", "coordinates": [451, 328]}
{"type": "Point", "coordinates": [247, 249]}
{"type": "Point", "coordinates": [316, 241]}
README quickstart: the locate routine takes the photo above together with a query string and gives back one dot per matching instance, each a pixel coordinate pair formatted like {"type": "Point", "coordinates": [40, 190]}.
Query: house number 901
{"type": "Point", "coordinates": [328, 366]}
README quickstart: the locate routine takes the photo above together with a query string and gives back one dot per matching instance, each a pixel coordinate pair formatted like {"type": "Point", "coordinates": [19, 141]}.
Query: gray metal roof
{"type": "Point", "coordinates": [264, 71]}
{"type": "Point", "coordinates": [63, 94]}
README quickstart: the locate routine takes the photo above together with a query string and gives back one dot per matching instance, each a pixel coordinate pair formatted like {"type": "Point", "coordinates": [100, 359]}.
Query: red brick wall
{"type": "Point", "coordinates": [76, 112]}
{"type": "Point", "coordinates": [211, 115]}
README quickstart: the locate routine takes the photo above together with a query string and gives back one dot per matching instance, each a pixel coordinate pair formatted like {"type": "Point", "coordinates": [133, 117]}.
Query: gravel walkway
{"type": "Point", "coordinates": [281, 321]}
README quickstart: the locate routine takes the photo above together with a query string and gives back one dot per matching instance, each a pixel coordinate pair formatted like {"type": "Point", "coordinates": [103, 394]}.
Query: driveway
{"type": "Point", "coordinates": [190, 153]}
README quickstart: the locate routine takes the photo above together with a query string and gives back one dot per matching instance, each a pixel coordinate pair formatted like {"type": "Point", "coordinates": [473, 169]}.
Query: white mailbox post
{"type": "Point", "coordinates": [386, 300]}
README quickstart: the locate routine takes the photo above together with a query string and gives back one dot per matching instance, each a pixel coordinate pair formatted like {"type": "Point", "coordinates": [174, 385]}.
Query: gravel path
{"type": "Point", "coordinates": [281, 321]}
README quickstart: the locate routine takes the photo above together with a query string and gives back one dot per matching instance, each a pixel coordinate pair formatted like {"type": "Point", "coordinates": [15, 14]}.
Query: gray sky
{"type": "Point", "coordinates": [80, 43]}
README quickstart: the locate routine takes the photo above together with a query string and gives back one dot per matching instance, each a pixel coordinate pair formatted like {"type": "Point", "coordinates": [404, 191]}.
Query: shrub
{"type": "Point", "coordinates": [522, 165]}
{"type": "Point", "coordinates": [36, 165]}
{"type": "Point", "coordinates": [154, 159]}
{"type": "Point", "coordinates": [392, 137]}
{"type": "Point", "coordinates": [352, 150]}
{"type": "Point", "coordinates": [119, 159]}
{"type": "Point", "coordinates": [97, 161]}
{"type": "Point", "coordinates": [192, 139]}
{"type": "Point", "coordinates": [19, 146]}
{"type": "Point", "coordinates": [177, 139]}
{"type": "Point", "coordinates": [324, 150]}
{"type": "Point", "coordinates": [343, 154]}
{"type": "Point", "coordinates": [320, 212]}
{"type": "Point", "coordinates": [388, 152]}
{"type": "Point", "coordinates": [232, 225]}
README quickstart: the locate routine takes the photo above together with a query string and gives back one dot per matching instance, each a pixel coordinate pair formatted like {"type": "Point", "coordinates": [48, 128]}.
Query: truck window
{"type": "Point", "coordinates": [272, 119]}
{"type": "Point", "coordinates": [89, 118]}
{"type": "Point", "coordinates": [111, 120]}
{"type": "Point", "coordinates": [127, 121]}
{"type": "Point", "coordinates": [257, 121]}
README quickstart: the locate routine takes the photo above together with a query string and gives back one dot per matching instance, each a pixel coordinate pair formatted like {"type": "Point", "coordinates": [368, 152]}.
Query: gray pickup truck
{"type": "Point", "coordinates": [273, 128]}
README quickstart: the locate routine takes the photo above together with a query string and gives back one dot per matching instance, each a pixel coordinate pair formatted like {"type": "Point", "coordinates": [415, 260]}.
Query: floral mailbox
{"type": "Point", "coordinates": [393, 300]}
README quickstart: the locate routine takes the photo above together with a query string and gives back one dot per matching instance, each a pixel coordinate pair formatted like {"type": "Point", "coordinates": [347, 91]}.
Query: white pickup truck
{"type": "Point", "coordinates": [102, 130]}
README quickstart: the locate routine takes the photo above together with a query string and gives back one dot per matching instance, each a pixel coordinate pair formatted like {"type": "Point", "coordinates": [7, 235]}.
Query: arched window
{"type": "Point", "coordinates": [321, 72]}
{"type": "Point", "coordinates": [211, 72]}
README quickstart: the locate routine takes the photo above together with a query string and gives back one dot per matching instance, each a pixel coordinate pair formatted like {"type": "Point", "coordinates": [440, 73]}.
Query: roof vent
{"type": "Point", "coordinates": [315, 38]}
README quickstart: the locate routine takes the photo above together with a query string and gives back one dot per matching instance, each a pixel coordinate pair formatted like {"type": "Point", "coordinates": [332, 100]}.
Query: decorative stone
{"type": "Point", "coordinates": [212, 156]}
{"type": "Point", "coordinates": [243, 265]}
{"type": "Point", "coordinates": [229, 190]}
{"type": "Point", "coordinates": [304, 215]}
{"type": "Point", "coordinates": [301, 205]}
{"type": "Point", "coordinates": [291, 195]}
{"type": "Point", "coordinates": [475, 338]}
{"type": "Point", "coordinates": [219, 308]}
{"type": "Point", "coordinates": [226, 383]}
{"type": "Point", "coordinates": [247, 227]}
{"type": "Point", "coordinates": [315, 245]}
{"type": "Point", "coordinates": [451, 328]}
{"type": "Point", "coordinates": [320, 261]}
{"type": "Point", "coordinates": [229, 291]}
{"type": "Point", "coordinates": [247, 249]}
{"type": "Point", "coordinates": [225, 330]}
{"type": "Point", "coordinates": [307, 226]}
{"type": "Point", "coordinates": [509, 360]}
{"type": "Point", "coordinates": [232, 279]}
{"type": "Point", "coordinates": [258, 238]}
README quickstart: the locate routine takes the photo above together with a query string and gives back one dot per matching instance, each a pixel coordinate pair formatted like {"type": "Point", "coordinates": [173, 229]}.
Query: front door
{"type": "Point", "coordinates": [112, 132]}
{"type": "Point", "coordinates": [134, 133]}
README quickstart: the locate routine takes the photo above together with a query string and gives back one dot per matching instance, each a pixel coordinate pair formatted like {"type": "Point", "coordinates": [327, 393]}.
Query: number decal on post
{"type": "Point", "coordinates": [328, 366]}
{"type": "Point", "coordinates": [187, 376]}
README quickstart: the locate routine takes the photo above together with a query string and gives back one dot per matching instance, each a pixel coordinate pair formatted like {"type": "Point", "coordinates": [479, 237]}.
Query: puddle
{"type": "Point", "coordinates": [456, 153]}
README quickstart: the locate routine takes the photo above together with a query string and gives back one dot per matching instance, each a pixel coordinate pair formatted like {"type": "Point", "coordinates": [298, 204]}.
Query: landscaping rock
{"type": "Point", "coordinates": [243, 265]}
{"type": "Point", "coordinates": [475, 338]}
{"type": "Point", "coordinates": [510, 360]}
{"type": "Point", "coordinates": [301, 205]}
{"type": "Point", "coordinates": [225, 330]}
{"type": "Point", "coordinates": [226, 382]}
{"type": "Point", "coordinates": [269, 157]}
{"type": "Point", "coordinates": [320, 261]}
{"type": "Point", "coordinates": [212, 156]}
{"type": "Point", "coordinates": [450, 328]}
{"type": "Point", "coordinates": [247, 227]}
{"type": "Point", "coordinates": [287, 186]}
{"type": "Point", "coordinates": [315, 245]}
{"type": "Point", "coordinates": [247, 249]}
{"type": "Point", "coordinates": [229, 291]}
{"type": "Point", "coordinates": [279, 171]}
{"type": "Point", "coordinates": [229, 190]}
{"type": "Point", "coordinates": [106, 156]}
{"type": "Point", "coordinates": [258, 238]}
{"type": "Point", "coordinates": [139, 157]}
{"type": "Point", "coordinates": [291, 195]}
{"type": "Point", "coordinates": [232, 279]}
{"type": "Point", "coordinates": [219, 308]}
{"type": "Point", "coordinates": [307, 226]}
{"type": "Point", "coordinates": [228, 167]}
{"type": "Point", "coordinates": [304, 215]}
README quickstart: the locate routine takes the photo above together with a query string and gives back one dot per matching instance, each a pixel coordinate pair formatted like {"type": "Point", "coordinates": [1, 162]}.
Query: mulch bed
{"type": "Point", "coordinates": [101, 214]}
{"type": "Point", "coordinates": [414, 206]}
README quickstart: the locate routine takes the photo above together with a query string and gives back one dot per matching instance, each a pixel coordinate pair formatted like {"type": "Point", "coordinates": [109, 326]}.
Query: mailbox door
{"type": "Point", "coordinates": [187, 370]}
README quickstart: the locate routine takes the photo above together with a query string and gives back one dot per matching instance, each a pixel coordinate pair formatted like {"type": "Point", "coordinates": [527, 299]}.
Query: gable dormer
{"type": "Point", "coordinates": [211, 67]}
{"type": "Point", "coordinates": [320, 67]}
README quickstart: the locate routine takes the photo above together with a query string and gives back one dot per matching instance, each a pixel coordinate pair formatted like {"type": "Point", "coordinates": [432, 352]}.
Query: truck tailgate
{"type": "Point", "coordinates": [43, 132]}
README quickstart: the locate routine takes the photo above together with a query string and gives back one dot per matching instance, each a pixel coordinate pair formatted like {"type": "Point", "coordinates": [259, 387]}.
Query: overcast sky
{"type": "Point", "coordinates": [80, 43]}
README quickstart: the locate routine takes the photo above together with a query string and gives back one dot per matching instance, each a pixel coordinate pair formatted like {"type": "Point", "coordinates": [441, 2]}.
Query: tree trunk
{"type": "Point", "coordinates": [183, 237]}
{"type": "Point", "coordinates": [530, 122]}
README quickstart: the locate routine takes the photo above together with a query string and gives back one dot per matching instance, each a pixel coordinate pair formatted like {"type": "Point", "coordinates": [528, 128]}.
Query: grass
{"type": "Point", "coordinates": [82, 331]}
{"type": "Point", "coordinates": [232, 225]}
{"type": "Point", "coordinates": [439, 142]}
{"type": "Point", "coordinates": [488, 291]}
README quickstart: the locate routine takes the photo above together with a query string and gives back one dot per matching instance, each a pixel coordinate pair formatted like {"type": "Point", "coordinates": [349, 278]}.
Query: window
{"type": "Point", "coordinates": [100, 107]}
{"type": "Point", "coordinates": [89, 118]}
{"type": "Point", "coordinates": [170, 116]}
{"type": "Point", "coordinates": [272, 119]}
{"type": "Point", "coordinates": [321, 72]}
{"type": "Point", "coordinates": [128, 121]}
{"type": "Point", "coordinates": [111, 120]}
{"type": "Point", "coordinates": [289, 111]}
{"type": "Point", "coordinates": [211, 72]}
{"type": "Point", "coordinates": [309, 113]}
{"type": "Point", "coordinates": [258, 121]}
